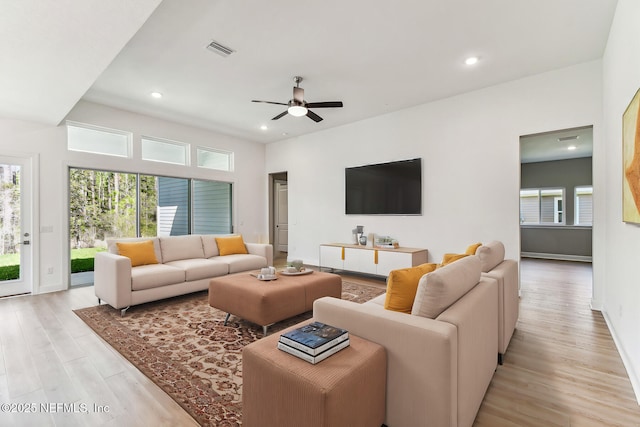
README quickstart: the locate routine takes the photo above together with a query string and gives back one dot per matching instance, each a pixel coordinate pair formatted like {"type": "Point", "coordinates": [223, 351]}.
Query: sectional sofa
{"type": "Point", "coordinates": [441, 353]}
{"type": "Point", "coordinates": [163, 267]}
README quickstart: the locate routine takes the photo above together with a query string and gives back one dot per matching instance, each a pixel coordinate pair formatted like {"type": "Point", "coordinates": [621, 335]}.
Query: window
{"type": "Point", "coordinates": [92, 139]}
{"type": "Point", "coordinates": [542, 206]}
{"type": "Point", "coordinates": [211, 207]}
{"type": "Point", "coordinates": [584, 205]}
{"type": "Point", "coordinates": [105, 204]}
{"type": "Point", "coordinates": [156, 150]}
{"type": "Point", "coordinates": [215, 159]}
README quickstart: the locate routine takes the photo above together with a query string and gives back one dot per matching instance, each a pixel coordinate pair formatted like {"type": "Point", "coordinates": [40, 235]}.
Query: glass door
{"type": "Point", "coordinates": [15, 221]}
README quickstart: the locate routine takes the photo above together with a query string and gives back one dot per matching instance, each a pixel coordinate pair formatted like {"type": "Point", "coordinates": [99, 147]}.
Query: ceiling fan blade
{"type": "Point", "coordinates": [284, 113]}
{"type": "Point", "coordinates": [313, 116]}
{"type": "Point", "coordinates": [270, 102]}
{"type": "Point", "coordinates": [328, 104]}
{"type": "Point", "coordinates": [298, 94]}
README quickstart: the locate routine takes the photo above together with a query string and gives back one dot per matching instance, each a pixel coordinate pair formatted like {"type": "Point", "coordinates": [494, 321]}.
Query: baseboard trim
{"type": "Point", "coordinates": [626, 361]}
{"type": "Point", "coordinates": [558, 257]}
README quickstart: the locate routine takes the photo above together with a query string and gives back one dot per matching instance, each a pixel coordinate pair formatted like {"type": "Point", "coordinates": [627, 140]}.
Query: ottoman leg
{"type": "Point", "coordinates": [264, 329]}
{"type": "Point", "coordinates": [226, 319]}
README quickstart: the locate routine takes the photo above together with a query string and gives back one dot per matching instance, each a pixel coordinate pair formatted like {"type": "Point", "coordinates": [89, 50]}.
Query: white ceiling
{"type": "Point", "coordinates": [556, 145]}
{"type": "Point", "coordinates": [376, 57]}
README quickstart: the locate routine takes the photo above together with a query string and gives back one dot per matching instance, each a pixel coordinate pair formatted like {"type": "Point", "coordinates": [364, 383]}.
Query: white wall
{"type": "Point", "coordinates": [48, 144]}
{"type": "Point", "coordinates": [621, 295]}
{"type": "Point", "coordinates": [471, 168]}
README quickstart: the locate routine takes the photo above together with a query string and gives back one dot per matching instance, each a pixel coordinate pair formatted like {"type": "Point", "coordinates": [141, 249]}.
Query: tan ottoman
{"type": "Point", "coordinates": [346, 389]}
{"type": "Point", "coordinates": [267, 302]}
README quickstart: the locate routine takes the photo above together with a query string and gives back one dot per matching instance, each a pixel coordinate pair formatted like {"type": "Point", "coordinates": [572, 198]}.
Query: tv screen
{"type": "Point", "coordinates": [393, 188]}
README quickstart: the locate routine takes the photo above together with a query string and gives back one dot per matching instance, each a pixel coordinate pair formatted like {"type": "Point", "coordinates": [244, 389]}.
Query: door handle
{"type": "Point", "coordinates": [26, 242]}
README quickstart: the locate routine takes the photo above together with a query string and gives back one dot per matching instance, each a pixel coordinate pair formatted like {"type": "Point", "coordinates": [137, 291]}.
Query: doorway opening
{"type": "Point", "coordinates": [556, 195]}
{"type": "Point", "coordinates": [279, 216]}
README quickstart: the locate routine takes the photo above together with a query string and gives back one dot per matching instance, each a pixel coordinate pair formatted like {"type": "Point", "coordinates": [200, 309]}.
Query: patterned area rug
{"type": "Point", "coordinates": [182, 345]}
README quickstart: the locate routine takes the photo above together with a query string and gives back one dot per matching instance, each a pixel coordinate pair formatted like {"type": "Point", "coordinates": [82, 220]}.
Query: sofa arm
{"type": "Point", "coordinates": [262, 249]}
{"type": "Point", "coordinates": [421, 359]}
{"type": "Point", "coordinates": [475, 317]}
{"type": "Point", "coordinates": [506, 273]}
{"type": "Point", "coordinates": [112, 279]}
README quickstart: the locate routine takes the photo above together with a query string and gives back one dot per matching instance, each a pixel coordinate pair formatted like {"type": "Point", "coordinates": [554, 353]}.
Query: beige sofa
{"type": "Point", "coordinates": [505, 271]}
{"type": "Point", "coordinates": [439, 368]}
{"type": "Point", "coordinates": [185, 264]}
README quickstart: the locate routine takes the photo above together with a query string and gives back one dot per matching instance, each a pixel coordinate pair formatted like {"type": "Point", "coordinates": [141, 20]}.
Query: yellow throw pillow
{"type": "Point", "coordinates": [471, 250]}
{"type": "Point", "coordinates": [231, 245]}
{"type": "Point", "coordinates": [140, 253]}
{"type": "Point", "coordinates": [402, 285]}
{"type": "Point", "coordinates": [449, 258]}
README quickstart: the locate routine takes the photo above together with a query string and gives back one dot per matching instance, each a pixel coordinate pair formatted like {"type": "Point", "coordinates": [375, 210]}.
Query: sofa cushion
{"type": "Point", "coordinates": [112, 245]}
{"type": "Point", "coordinates": [439, 289]}
{"type": "Point", "coordinates": [200, 268]}
{"type": "Point", "coordinates": [402, 285]}
{"type": "Point", "coordinates": [490, 255]}
{"type": "Point", "coordinates": [181, 247]}
{"type": "Point", "coordinates": [240, 262]}
{"type": "Point", "coordinates": [231, 245]}
{"type": "Point", "coordinates": [210, 246]}
{"type": "Point", "coordinates": [140, 253]}
{"type": "Point", "coordinates": [154, 276]}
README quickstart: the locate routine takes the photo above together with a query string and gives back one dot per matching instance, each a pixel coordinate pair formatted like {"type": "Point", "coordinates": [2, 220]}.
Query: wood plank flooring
{"type": "Point", "coordinates": [561, 368]}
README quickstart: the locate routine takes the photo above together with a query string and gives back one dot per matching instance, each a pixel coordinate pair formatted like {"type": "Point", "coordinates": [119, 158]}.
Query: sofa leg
{"type": "Point", "coordinates": [99, 301]}
{"type": "Point", "coordinates": [264, 330]}
{"type": "Point", "coordinates": [226, 319]}
{"type": "Point", "coordinates": [500, 356]}
{"type": "Point", "coordinates": [124, 310]}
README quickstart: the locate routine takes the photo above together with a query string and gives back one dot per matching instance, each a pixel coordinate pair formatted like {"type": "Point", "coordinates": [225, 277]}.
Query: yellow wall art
{"type": "Point", "coordinates": [631, 161]}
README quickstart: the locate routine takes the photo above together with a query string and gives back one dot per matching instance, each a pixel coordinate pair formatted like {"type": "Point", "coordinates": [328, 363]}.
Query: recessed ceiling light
{"type": "Point", "coordinates": [571, 147]}
{"type": "Point", "coordinates": [472, 60]}
{"type": "Point", "coordinates": [156, 95]}
{"type": "Point", "coordinates": [264, 127]}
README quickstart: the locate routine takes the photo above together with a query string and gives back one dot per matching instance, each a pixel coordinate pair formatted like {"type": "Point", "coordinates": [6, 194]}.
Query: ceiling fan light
{"type": "Point", "coordinates": [297, 110]}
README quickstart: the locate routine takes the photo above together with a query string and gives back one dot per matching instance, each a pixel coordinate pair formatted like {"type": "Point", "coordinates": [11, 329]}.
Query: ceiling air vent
{"type": "Point", "coordinates": [567, 138]}
{"type": "Point", "coordinates": [220, 49]}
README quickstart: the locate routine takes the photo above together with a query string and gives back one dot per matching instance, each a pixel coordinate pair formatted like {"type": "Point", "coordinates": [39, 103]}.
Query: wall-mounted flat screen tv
{"type": "Point", "coordinates": [393, 188]}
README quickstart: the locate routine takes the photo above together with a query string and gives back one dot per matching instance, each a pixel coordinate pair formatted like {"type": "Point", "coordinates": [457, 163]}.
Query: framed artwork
{"type": "Point", "coordinates": [631, 161]}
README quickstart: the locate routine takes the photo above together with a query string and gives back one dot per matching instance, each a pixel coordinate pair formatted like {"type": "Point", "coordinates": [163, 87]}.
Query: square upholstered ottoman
{"type": "Point", "coordinates": [267, 302]}
{"type": "Point", "coordinates": [346, 389]}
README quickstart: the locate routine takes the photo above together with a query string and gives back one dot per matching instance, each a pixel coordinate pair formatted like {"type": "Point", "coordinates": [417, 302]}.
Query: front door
{"type": "Point", "coordinates": [15, 223]}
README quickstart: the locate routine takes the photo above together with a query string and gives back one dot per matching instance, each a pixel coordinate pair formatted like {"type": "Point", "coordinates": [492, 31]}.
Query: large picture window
{"type": "Point", "coordinates": [104, 204]}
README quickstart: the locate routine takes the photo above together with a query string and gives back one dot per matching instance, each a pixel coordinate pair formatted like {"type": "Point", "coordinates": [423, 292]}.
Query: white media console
{"type": "Point", "coordinates": [369, 260]}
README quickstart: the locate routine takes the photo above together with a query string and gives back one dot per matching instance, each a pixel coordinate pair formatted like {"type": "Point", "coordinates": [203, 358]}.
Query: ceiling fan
{"type": "Point", "coordinates": [298, 107]}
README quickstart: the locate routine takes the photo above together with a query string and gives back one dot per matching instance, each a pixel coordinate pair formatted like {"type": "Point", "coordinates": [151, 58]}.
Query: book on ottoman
{"type": "Point", "coordinates": [318, 357]}
{"type": "Point", "coordinates": [314, 338]}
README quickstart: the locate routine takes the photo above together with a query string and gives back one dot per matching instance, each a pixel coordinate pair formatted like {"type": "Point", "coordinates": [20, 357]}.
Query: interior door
{"type": "Point", "coordinates": [15, 223]}
{"type": "Point", "coordinates": [281, 216]}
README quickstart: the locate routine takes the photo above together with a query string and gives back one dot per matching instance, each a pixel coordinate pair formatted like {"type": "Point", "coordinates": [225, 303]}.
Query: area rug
{"type": "Point", "coordinates": [182, 345]}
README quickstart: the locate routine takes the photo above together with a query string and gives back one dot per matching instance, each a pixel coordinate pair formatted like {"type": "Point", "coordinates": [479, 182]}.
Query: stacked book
{"type": "Point", "coordinates": [314, 342]}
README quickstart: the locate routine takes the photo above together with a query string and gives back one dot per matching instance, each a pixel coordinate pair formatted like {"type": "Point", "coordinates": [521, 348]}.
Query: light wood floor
{"type": "Point", "coordinates": [561, 368]}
